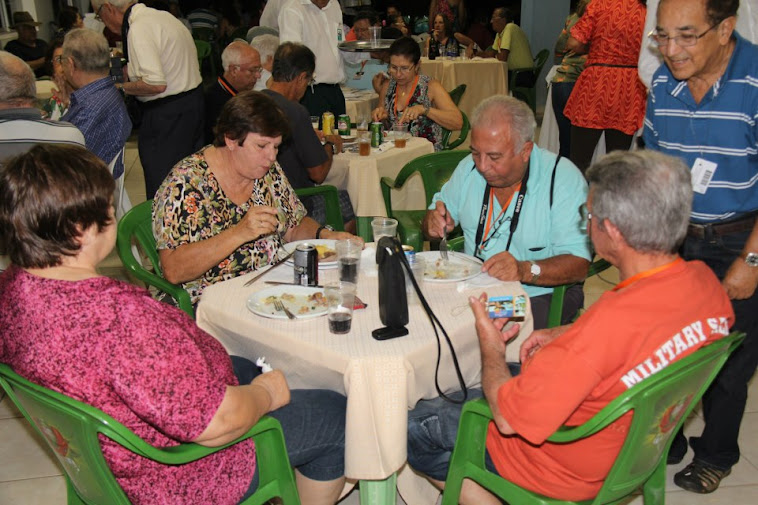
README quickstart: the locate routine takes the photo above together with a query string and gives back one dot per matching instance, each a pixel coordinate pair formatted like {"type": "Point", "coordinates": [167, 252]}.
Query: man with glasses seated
{"type": "Point", "coordinates": [242, 69]}
{"type": "Point", "coordinates": [517, 205]}
{"type": "Point", "coordinates": [701, 108]}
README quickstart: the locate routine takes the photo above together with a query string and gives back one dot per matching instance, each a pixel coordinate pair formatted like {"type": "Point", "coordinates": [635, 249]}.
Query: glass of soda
{"type": "Point", "coordinates": [341, 298]}
{"type": "Point", "coordinates": [349, 259]}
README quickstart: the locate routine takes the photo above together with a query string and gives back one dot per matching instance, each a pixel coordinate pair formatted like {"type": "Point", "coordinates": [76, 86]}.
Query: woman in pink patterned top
{"type": "Point", "coordinates": [109, 344]}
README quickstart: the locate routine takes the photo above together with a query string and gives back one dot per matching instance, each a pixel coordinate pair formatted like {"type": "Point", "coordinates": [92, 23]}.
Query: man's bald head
{"type": "Point", "coordinates": [17, 84]}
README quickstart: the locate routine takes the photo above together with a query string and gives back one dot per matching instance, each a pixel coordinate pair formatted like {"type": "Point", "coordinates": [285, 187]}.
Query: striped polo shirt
{"type": "Point", "coordinates": [721, 129]}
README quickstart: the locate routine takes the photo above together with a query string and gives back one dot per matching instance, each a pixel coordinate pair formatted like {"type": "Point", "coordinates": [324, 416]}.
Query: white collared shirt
{"type": "Point", "coordinates": [321, 30]}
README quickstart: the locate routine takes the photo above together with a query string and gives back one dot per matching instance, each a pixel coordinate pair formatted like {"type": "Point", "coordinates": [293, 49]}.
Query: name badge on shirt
{"type": "Point", "coordinates": [339, 32]}
{"type": "Point", "coordinates": [702, 173]}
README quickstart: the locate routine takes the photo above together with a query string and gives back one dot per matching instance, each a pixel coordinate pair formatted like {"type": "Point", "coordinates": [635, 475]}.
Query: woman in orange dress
{"type": "Point", "coordinates": [608, 96]}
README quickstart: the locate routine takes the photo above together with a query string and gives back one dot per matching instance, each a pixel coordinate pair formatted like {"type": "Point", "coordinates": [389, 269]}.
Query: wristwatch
{"type": "Point", "coordinates": [322, 228]}
{"type": "Point", "coordinates": [535, 270]}
{"type": "Point", "coordinates": [334, 147]}
{"type": "Point", "coordinates": [751, 259]}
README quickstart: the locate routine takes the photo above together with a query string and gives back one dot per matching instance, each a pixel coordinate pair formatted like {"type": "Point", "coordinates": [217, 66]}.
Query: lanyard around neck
{"type": "Point", "coordinates": [485, 212]}
{"type": "Point", "coordinates": [645, 273]}
{"type": "Point", "coordinates": [408, 98]}
{"type": "Point", "coordinates": [227, 87]}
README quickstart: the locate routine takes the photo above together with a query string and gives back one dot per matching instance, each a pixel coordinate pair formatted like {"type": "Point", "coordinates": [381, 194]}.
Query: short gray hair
{"type": "Point", "coordinates": [232, 55]}
{"type": "Point", "coordinates": [121, 5]}
{"type": "Point", "coordinates": [646, 195]}
{"type": "Point", "coordinates": [266, 45]}
{"type": "Point", "coordinates": [89, 49]}
{"type": "Point", "coordinates": [499, 109]}
{"type": "Point", "coordinates": [17, 84]}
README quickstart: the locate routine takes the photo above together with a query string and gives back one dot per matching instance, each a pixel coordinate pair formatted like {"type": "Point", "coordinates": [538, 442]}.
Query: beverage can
{"type": "Point", "coordinates": [377, 135]}
{"type": "Point", "coordinates": [306, 265]}
{"type": "Point", "coordinates": [343, 124]}
{"type": "Point", "coordinates": [327, 123]}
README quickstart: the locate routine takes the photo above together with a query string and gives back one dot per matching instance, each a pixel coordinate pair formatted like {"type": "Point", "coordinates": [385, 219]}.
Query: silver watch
{"type": "Point", "coordinates": [535, 270]}
{"type": "Point", "coordinates": [751, 259]}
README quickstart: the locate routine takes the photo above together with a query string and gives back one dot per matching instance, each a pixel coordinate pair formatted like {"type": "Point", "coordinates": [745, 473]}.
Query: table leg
{"type": "Point", "coordinates": [364, 228]}
{"type": "Point", "coordinates": [379, 492]}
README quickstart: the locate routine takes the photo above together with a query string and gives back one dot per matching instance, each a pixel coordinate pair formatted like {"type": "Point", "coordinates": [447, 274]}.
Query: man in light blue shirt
{"type": "Point", "coordinates": [518, 206]}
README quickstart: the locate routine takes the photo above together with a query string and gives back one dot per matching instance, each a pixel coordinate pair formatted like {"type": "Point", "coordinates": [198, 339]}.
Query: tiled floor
{"type": "Point", "coordinates": [29, 474]}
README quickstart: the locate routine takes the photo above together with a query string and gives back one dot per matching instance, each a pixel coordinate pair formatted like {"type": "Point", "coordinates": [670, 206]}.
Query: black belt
{"type": "Point", "coordinates": [711, 230]}
{"type": "Point", "coordinates": [168, 99]}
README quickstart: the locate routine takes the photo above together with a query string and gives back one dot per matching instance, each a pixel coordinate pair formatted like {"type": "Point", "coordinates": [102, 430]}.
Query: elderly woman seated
{"type": "Point", "coordinates": [227, 209]}
{"type": "Point", "coordinates": [418, 100]}
{"type": "Point", "coordinates": [143, 362]}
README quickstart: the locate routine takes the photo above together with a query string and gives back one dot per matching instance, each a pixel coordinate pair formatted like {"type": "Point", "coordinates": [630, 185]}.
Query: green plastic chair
{"type": "Point", "coordinates": [457, 93]}
{"type": "Point", "coordinates": [203, 50]}
{"type": "Point", "coordinates": [555, 313]}
{"type": "Point", "coordinates": [332, 202]}
{"type": "Point", "coordinates": [661, 403]}
{"type": "Point", "coordinates": [449, 146]}
{"type": "Point", "coordinates": [71, 429]}
{"type": "Point", "coordinates": [528, 94]}
{"type": "Point", "coordinates": [137, 224]}
{"type": "Point", "coordinates": [435, 169]}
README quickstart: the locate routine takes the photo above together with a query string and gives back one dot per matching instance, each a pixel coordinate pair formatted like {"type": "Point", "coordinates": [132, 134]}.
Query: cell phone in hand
{"type": "Point", "coordinates": [513, 307]}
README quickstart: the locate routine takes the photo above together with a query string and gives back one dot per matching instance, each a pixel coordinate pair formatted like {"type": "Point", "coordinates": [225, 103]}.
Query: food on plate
{"type": "Point", "coordinates": [302, 304]}
{"type": "Point", "coordinates": [325, 252]}
{"type": "Point", "coordinates": [442, 269]}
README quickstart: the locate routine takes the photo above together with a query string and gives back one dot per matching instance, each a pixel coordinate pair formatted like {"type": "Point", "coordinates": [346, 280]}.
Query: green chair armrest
{"type": "Point", "coordinates": [387, 184]}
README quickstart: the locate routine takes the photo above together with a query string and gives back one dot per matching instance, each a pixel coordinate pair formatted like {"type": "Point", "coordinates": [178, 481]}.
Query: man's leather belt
{"type": "Point", "coordinates": [708, 231]}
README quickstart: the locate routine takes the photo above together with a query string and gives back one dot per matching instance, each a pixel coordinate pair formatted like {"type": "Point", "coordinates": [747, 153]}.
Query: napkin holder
{"type": "Point", "coordinates": [393, 304]}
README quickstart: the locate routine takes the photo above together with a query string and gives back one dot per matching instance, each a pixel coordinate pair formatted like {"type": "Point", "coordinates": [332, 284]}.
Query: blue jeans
{"type": "Point", "coordinates": [432, 428]}
{"type": "Point", "coordinates": [561, 94]}
{"type": "Point", "coordinates": [724, 402]}
{"type": "Point", "coordinates": [313, 423]}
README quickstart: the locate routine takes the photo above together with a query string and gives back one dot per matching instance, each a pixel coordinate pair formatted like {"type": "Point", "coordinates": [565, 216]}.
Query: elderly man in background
{"type": "Point", "coordinates": [305, 161]}
{"type": "Point", "coordinates": [701, 108]}
{"type": "Point", "coordinates": [21, 124]}
{"type": "Point", "coordinates": [318, 25]}
{"type": "Point", "coordinates": [636, 214]}
{"type": "Point", "coordinates": [361, 70]}
{"type": "Point", "coordinates": [163, 73]}
{"type": "Point", "coordinates": [242, 69]}
{"type": "Point", "coordinates": [28, 47]}
{"type": "Point", "coordinates": [96, 107]}
{"type": "Point", "coordinates": [266, 46]}
{"type": "Point", "coordinates": [517, 206]}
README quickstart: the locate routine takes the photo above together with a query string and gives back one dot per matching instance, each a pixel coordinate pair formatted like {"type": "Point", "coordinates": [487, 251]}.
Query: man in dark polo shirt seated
{"type": "Point", "coordinates": [28, 47]}
{"type": "Point", "coordinates": [305, 161]}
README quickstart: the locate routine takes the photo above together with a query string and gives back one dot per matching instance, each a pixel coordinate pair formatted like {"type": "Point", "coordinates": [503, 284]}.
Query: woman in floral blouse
{"type": "Point", "coordinates": [418, 100]}
{"type": "Point", "coordinates": [227, 209]}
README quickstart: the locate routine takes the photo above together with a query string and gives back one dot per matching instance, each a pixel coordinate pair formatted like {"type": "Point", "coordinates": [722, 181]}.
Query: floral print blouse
{"type": "Point", "coordinates": [423, 126]}
{"type": "Point", "coordinates": [190, 206]}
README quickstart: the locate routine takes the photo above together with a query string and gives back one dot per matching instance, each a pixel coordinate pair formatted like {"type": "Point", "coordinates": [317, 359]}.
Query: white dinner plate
{"type": "Point", "coordinates": [298, 299]}
{"type": "Point", "coordinates": [329, 245]}
{"type": "Point", "coordinates": [458, 267]}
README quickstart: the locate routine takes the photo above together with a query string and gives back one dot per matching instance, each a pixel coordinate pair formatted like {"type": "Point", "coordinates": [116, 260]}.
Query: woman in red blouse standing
{"type": "Point", "coordinates": [609, 96]}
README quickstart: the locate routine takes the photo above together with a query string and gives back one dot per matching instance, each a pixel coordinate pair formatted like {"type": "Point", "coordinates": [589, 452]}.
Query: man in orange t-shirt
{"type": "Point", "coordinates": [663, 309]}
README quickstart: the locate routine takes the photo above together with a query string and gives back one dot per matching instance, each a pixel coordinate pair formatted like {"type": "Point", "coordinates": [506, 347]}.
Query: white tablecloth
{"type": "Point", "coordinates": [360, 176]}
{"type": "Point", "coordinates": [382, 379]}
{"type": "Point", "coordinates": [359, 103]}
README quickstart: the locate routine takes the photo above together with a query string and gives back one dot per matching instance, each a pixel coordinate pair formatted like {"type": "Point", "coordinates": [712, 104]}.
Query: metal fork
{"type": "Point", "coordinates": [278, 305]}
{"type": "Point", "coordinates": [443, 244]}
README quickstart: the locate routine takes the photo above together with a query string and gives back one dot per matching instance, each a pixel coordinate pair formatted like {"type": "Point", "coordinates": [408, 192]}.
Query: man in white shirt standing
{"type": "Point", "coordinates": [164, 75]}
{"type": "Point", "coordinates": [318, 25]}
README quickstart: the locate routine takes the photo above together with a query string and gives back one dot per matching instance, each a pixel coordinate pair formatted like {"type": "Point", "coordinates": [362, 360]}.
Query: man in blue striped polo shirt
{"type": "Point", "coordinates": [703, 107]}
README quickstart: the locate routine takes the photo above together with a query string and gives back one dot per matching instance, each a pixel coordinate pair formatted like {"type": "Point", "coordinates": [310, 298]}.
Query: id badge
{"type": "Point", "coordinates": [702, 173]}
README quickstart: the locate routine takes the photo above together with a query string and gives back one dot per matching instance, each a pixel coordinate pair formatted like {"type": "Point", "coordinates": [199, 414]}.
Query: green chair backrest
{"type": "Point", "coordinates": [435, 170]}
{"type": "Point", "coordinates": [137, 224]}
{"type": "Point", "coordinates": [71, 429]}
{"type": "Point", "coordinates": [457, 93]}
{"type": "Point", "coordinates": [660, 403]}
{"type": "Point", "coordinates": [203, 50]}
{"type": "Point", "coordinates": [555, 313]}
{"type": "Point", "coordinates": [449, 146]}
{"type": "Point", "coordinates": [331, 200]}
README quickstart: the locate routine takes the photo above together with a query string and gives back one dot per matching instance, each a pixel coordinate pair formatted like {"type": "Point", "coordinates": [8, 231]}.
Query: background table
{"type": "Point", "coordinates": [483, 78]}
{"type": "Point", "coordinates": [359, 102]}
{"type": "Point", "coordinates": [381, 380]}
{"type": "Point", "coordinates": [360, 176]}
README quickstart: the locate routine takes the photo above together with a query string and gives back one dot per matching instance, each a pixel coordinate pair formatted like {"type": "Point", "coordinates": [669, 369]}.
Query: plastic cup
{"type": "Point", "coordinates": [341, 298]}
{"type": "Point", "coordinates": [417, 265]}
{"type": "Point", "coordinates": [383, 227]}
{"type": "Point", "coordinates": [314, 122]}
{"type": "Point", "coordinates": [349, 259]}
{"type": "Point", "coordinates": [376, 32]}
{"type": "Point", "coordinates": [400, 134]}
{"type": "Point", "coordinates": [364, 143]}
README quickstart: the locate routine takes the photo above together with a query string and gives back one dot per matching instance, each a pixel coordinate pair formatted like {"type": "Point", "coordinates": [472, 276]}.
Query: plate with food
{"type": "Point", "coordinates": [303, 301]}
{"type": "Point", "coordinates": [458, 267]}
{"type": "Point", "coordinates": [326, 249]}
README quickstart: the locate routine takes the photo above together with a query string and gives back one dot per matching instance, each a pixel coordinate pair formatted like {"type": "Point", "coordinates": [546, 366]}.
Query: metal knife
{"type": "Point", "coordinates": [285, 283]}
{"type": "Point", "coordinates": [269, 269]}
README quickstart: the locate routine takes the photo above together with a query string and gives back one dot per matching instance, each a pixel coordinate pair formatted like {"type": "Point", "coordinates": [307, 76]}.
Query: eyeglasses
{"type": "Point", "coordinates": [58, 59]}
{"type": "Point", "coordinates": [585, 214]}
{"type": "Point", "coordinates": [97, 14]}
{"type": "Point", "coordinates": [400, 70]}
{"type": "Point", "coordinates": [252, 70]}
{"type": "Point", "coordinates": [683, 40]}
